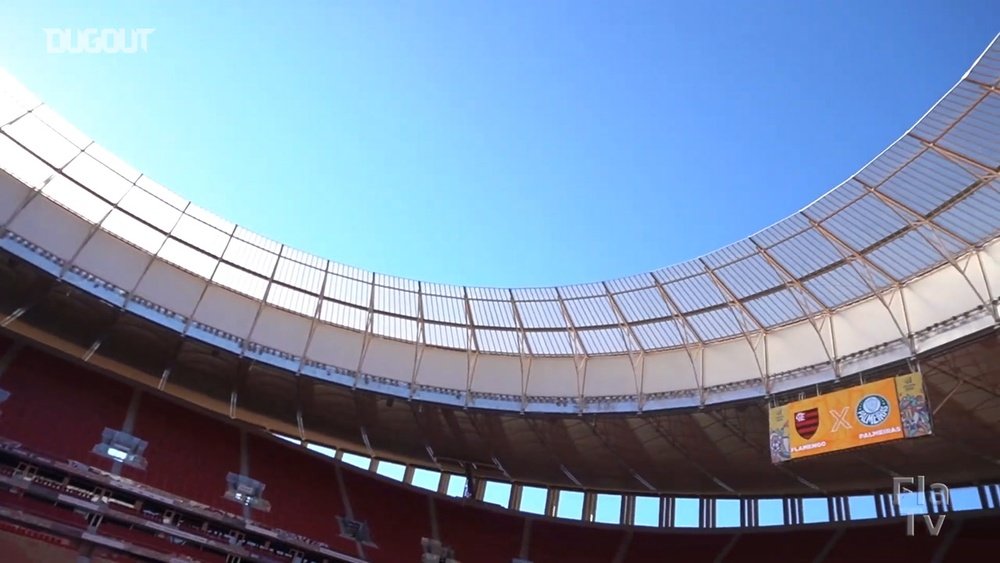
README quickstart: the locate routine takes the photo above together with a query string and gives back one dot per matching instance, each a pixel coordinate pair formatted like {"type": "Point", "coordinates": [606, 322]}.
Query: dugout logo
{"type": "Point", "coordinates": [872, 410]}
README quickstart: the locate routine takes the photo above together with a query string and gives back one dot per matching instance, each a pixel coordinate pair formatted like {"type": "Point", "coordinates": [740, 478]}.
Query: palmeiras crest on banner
{"type": "Point", "coordinates": [807, 422]}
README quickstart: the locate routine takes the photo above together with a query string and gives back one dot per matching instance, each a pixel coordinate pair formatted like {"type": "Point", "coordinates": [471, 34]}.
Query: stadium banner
{"type": "Point", "coordinates": [781, 449]}
{"type": "Point", "coordinates": [913, 408]}
{"type": "Point", "coordinates": [848, 418]}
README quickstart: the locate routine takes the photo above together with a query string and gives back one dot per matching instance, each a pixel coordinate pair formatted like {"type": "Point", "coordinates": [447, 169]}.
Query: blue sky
{"type": "Point", "coordinates": [502, 144]}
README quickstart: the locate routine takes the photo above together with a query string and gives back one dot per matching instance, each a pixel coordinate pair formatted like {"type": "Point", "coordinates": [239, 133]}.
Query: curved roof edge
{"type": "Point", "coordinates": [868, 272]}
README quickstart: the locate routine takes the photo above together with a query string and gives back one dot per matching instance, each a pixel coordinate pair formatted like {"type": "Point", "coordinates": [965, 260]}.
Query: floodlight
{"type": "Point", "coordinates": [246, 491]}
{"type": "Point", "coordinates": [431, 546]}
{"type": "Point", "coordinates": [122, 447]}
{"type": "Point", "coordinates": [355, 530]}
{"type": "Point", "coordinates": [436, 552]}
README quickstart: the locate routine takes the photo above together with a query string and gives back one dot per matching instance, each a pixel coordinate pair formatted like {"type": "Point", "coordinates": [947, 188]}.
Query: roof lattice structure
{"type": "Point", "coordinates": [861, 268]}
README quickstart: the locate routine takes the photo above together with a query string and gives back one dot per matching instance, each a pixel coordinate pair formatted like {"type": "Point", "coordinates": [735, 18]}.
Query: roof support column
{"type": "Point", "coordinates": [524, 351]}
{"type": "Point", "coordinates": [366, 339]}
{"type": "Point", "coordinates": [734, 305]}
{"type": "Point", "coordinates": [865, 274]}
{"type": "Point", "coordinates": [471, 347]}
{"type": "Point", "coordinates": [421, 340]}
{"type": "Point", "coordinates": [204, 290]}
{"type": "Point", "coordinates": [696, 355]}
{"type": "Point", "coordinates": [636, 352]}
{"type": "Point", "coordinates": [912, 217]}
{"type": "Point", "coordinates": [580, 355]}
{"type": "Point", "coordinates": [95, 227]}
{"type": "Point", "coordinates": [305, 353]}
{"type": "Point", "coordinates": [803, 296]}
{"type": "Point", "coordinates": [263, 301]}
{"type": "Point", "coordinates": [153, 257]}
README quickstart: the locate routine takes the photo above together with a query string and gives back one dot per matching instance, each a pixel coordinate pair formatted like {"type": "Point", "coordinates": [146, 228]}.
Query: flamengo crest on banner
{"type": "Point", "coordinates": [807, 422]}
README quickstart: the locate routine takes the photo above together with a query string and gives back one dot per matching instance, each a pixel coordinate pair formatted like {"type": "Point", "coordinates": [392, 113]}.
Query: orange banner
{"type": "Point", "coordinates": [859, 416]}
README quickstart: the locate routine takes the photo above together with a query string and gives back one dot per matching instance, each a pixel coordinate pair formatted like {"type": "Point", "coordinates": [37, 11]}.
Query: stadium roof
{"type": "Point", "coordinates": [865, 275]}
{"type": "Point", "coordinates": [897, 268]}
{"type": "Point", "coordinates": [720, 450]}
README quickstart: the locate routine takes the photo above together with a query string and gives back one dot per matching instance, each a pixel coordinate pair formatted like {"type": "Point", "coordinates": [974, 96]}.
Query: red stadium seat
{"type": "Point", "coordinates": [479, 534]}
{"type": "Point", "coordinates": [690, 548]}
{"type": "Point", "coordinates": [974, 539]}
{"type": "Point", "coordinates": [42, 509]}
{"type": "Point", "coordinates": [554, 542]}
{"type": "Point", "coordinates": [21, 545]}
{"type": "Point", "coordinates": [780, 545]}
{"type": "Point", "coordinates": [156, 543]}
{"type": "Point", "coordinates": [42, 389]}
{"type": "Point", "coordinates": [188, 455]}
{"type": "Point", "coordinates": [884, 542]}
{"type": "Point", "coordinates": [302, 489]}
{"type": "Point", "coordinates": [397, 517]}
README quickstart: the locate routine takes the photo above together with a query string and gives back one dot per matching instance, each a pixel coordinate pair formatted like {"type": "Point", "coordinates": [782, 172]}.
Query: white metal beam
{"type": "Point", "coordinates": [314, 321]}
{"type": "Point", "coordinates": [421, 341]}
{"type": "Point", "coordinates": [525, 353]}
{"type": "Point", "coordinates": [366, 338]}
{"type": "Point", "coordinates": [580, 355]}
{"type": "Point", "coordinates": [636, 352]}
{"type": "Point", "coordinates": [735, 304]}
{"type": "Point", "coordinates": [263, 300]}
{"type": "Point", "coordinates": [800, 292]}
{"type": "Point", "coordinates": [695, 356]}
{"type": "Point", "coordinates": [471, 347]}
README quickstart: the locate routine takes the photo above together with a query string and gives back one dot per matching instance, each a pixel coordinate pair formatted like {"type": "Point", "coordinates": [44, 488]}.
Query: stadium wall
{"type": "Point", "coordinates": [60, 409]}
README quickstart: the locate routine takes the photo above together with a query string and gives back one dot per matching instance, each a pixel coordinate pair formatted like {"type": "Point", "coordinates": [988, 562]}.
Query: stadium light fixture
{"type": "Point", "coordinates": [246, 491]}
{"type": "Point", "coordinates": [122, 447]}
{"type": "Point", "coordinates": [436, 552]}
{"type": "Point", "coordinates": [355, 530]}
